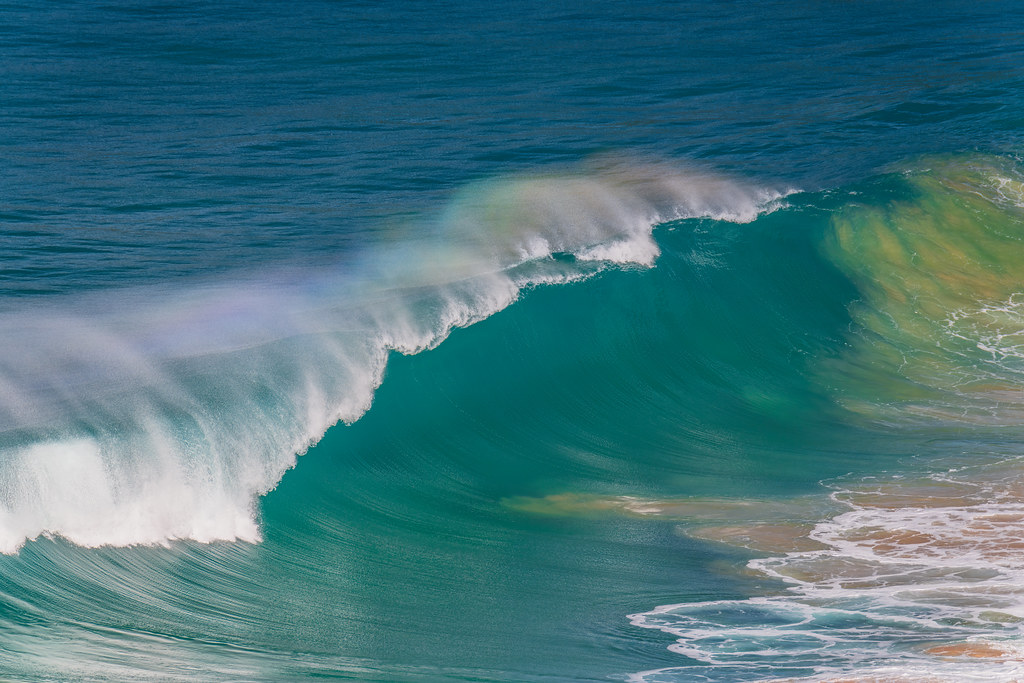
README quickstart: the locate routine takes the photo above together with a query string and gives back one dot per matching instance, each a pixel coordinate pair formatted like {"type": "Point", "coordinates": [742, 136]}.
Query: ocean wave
{"type": "Point", "coordinates": [148, 415]}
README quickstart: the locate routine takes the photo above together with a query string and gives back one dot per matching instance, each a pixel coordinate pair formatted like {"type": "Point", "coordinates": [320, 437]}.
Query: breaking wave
{"type": "Point", "coordinates": [146, 415]}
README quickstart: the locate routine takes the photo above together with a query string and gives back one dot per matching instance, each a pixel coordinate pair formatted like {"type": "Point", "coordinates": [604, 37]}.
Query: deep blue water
{"type": "Point", "coordinates": [151, 141]}
{"type": "Point", "coordinates": [571, 312]}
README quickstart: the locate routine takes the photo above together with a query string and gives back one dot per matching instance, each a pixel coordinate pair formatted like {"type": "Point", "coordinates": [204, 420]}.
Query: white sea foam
{"type": "Point", "coordinates": [995, 328]}
{"type": "Point", "coordinates": [918, 580]}
{"type": "Point", "coordinates": [144, 416]}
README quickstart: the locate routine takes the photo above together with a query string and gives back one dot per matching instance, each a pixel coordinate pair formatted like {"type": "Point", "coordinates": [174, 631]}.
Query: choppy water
{"type": "Point", "coordinates": [670, 342]}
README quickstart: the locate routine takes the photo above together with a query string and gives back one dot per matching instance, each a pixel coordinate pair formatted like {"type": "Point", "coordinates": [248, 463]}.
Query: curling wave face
{"type": "Point", "coordinates": [147, 415]}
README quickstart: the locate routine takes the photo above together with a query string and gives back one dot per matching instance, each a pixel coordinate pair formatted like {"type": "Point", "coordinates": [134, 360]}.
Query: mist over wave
{"type": "Point", "coordinates": [145, 415]}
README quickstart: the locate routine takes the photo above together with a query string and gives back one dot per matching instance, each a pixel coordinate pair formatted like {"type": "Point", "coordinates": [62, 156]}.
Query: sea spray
{"type": "Point", "coordinates": [147, 415]}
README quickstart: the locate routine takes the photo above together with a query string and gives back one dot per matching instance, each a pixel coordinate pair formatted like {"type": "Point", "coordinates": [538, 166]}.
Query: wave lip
{"type": "Point", "coordinates": [149, 415]}
{"type": "Point", "coordinates": [606, 214]}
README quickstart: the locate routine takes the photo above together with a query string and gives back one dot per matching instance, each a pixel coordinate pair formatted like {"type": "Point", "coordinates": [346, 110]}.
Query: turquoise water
{"type": "Point", "coordinates": [670, 342]}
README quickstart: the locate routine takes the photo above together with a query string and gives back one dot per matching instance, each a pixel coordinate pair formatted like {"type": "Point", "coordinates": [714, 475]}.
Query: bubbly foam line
{"type": "Point", "coordinates": [148, 415]}
{"type": "Point", "coordinates": [933, 591]}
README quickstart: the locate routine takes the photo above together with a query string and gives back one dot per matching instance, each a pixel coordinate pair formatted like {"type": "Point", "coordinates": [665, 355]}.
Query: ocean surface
{"type": "Point", "coordinates": [544, 341]}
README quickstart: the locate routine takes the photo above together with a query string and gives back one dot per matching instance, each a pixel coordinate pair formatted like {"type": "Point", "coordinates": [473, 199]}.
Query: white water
{"type": "Point", "coordinates": [144, 416]}
{"type": "Point", "coordinates": [917, 580]}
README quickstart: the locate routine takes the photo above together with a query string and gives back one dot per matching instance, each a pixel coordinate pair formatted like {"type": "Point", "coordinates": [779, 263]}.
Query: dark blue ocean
{"type": "Point", "coordinates": [651, 342]}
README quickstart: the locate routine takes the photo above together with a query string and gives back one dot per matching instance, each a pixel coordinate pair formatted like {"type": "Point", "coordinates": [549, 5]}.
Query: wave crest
{"type": "Point", "coordinates": [148, 415]}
